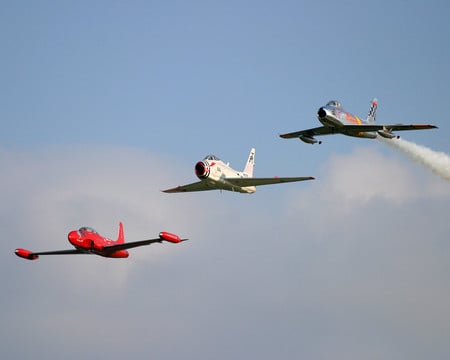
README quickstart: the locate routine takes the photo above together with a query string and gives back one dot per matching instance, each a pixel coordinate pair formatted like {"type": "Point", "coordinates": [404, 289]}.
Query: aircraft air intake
{"type": "Point", "coordinates": [322, 113]}
{"type": "Point", "coordinates": [202, 169]}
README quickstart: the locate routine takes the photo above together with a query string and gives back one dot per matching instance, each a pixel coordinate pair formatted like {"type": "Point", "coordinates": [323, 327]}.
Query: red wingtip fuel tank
{"type": "Point", "coordinates": [163, 235]}
{"type": "Point", "coordinates": [26, 254]}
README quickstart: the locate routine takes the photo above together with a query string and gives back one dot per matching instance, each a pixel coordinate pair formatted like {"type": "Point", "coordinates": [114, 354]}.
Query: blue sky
{"type": "Point", "coordinates": [104, 103]}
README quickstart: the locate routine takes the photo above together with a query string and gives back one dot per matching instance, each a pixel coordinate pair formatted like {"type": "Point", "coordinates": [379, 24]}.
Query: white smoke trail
{"type": "Point", "coordinates": [437, 162]}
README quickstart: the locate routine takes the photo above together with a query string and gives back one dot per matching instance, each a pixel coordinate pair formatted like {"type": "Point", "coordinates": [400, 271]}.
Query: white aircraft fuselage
{"type": "Point", "coordinates": [215, 172]}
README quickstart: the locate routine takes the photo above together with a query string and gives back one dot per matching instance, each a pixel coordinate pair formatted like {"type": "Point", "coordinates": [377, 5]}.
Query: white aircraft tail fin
{"type": "Point", "coordinates": [372, 112]}
{"type": "Point", "coordinates": [250, 163]}
{"type": "Point", "coordinates": [121, 237]}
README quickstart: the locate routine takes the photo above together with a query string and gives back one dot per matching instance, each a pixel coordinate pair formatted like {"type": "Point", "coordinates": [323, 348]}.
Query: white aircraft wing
{"type": "Point", "coordinates": [197, 186]}
{"type": "Point", "coordinates": [243, 182]}
{"type": "Point", "coordinates": [321, 130]}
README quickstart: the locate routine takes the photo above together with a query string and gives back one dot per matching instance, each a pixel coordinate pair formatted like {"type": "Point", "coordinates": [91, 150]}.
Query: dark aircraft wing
{"type": "Point", "coordinates": [163, 236]}
{"type": "Point", "coordinates": [197, 186]}
{"type": "Point", "coordinates": [321, 130]}
{"type": "Point", "coordinates": [28, 254]}
{"type": "Point", "coordinates": [396, 127]}
{"type": "Point", "coordinates": [243, 182]}
{"type": "Point", "coordinates": [130, 245]}
{"type": "Point", "coordinates": [60, 252]}
{"type": "Point", "coordinates": [325, 130]}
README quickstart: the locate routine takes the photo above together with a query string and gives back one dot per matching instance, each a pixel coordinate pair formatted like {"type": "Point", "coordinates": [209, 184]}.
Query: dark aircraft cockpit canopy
{"type": "Point", "coordinates": [211, 157]}
{"type": "Point", "coordinates": [334, 103]}
{"type": "Point", "coordinates": [86, 229]}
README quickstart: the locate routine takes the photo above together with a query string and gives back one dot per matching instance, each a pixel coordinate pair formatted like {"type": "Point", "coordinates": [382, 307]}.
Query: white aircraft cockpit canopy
{"type": "Point", "coordinates": [211, 157]}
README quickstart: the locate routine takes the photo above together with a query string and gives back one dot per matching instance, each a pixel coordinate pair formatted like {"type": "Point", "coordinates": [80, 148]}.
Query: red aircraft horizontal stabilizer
{"type": "Point", "coordinates": [163, 235]}
{"type": "Point", "coordinates": [26, 254]}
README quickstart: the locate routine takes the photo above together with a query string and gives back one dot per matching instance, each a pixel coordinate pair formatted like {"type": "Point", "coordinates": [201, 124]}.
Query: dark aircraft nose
{"type": "Point", "coordinates": [73, 236]}
{"type": "Point", "coordinates": [322, 113]}
{"type": "Point", "coordinates": [202, 169]}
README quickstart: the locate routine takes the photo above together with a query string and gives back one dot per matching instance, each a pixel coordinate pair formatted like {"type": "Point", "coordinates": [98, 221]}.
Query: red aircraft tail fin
{"type": "Point", "coordinates": [121, 238]}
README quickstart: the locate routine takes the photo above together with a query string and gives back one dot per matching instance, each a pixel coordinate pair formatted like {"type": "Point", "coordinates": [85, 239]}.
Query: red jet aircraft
{"type": "Point", "coordinates": [88, 241]}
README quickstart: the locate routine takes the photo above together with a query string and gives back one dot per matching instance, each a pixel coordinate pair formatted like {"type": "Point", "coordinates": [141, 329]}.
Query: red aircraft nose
{"type": "Point", "coordinates": [73, 236]}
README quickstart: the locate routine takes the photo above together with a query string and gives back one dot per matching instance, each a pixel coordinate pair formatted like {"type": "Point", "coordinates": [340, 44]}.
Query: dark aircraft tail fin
{"type": "Point", "coordinates": [372, 112]}
{"type": "Point", "coordinates": [121, 238]}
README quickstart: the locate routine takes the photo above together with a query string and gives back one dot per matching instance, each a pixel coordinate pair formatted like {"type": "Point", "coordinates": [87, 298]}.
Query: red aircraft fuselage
{"type": "Point", "coordinates": [87, 239]}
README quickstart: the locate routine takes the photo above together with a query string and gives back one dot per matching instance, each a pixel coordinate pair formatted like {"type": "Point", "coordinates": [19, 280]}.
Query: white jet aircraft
{"type": "Point", "coordinates": [214, 174]}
